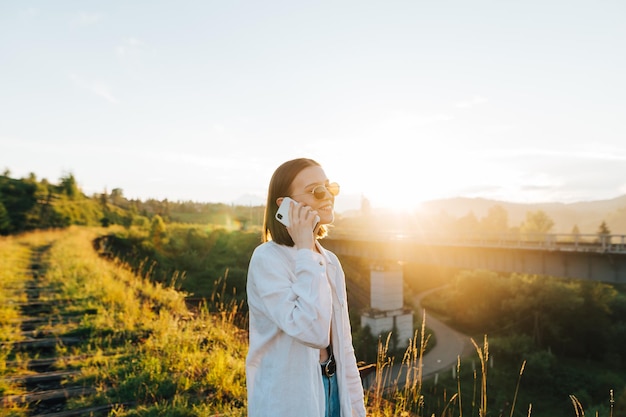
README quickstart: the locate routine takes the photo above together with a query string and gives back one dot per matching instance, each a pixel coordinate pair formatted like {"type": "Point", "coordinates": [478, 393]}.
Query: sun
{"type": "Point", "coordinates": [403, 176]}
{"type": "Point", "coordinates": [396, 187]}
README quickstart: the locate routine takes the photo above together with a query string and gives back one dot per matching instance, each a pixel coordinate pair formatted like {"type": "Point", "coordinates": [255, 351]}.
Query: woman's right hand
{"type": "Point", "coordinates": [302, 220]}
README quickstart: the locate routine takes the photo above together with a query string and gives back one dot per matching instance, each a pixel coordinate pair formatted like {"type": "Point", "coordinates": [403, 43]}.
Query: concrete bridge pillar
{"type": "Point", "coordinates": [387, 312]}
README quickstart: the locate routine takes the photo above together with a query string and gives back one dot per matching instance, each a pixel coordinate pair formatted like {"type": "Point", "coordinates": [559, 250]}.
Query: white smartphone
{"type": "Point", "coordinates": [282, 215]}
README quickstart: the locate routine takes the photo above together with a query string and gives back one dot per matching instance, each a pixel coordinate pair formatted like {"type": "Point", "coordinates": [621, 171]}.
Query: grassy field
{"type": "Point", "coordinates": [146, 353]}
{"type": "Point", "coordinates": [144, 350]}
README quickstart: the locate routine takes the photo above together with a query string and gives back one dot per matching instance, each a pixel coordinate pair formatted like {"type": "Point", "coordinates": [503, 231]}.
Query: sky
{"type": "Point", "coordinates": [400, 101]}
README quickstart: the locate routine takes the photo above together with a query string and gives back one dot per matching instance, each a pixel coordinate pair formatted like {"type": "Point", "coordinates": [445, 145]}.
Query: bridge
{"type": "Point", "coordinates": [579, 256]}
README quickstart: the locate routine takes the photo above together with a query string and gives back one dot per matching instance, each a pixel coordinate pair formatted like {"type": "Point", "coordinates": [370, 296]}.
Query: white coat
{"type": "Point", "coordinates": [293, 297]}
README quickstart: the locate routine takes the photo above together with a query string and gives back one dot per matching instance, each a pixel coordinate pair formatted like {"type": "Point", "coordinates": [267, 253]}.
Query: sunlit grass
{"type": "Point", "coordinates": [148, 354]}
{"type": "Point", "coordinates": [124, 300]}
{"type": "Point", "coordinates": [172, 355]}
{"type": "Point", "coordinates": [14, 264]}
{"type": "Point", "coordinates": [143, 349]}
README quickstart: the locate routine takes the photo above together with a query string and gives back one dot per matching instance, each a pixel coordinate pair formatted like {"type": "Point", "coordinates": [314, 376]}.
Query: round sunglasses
{"type": "Point", "coordinates": [319, 192]}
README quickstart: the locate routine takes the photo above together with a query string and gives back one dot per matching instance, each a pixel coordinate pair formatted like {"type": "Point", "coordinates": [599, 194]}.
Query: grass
{"type": "Point", "coordinates": [148, 354]}
{"type": "Point", "coordinates": [14, 261]}
{"type": "Point", "coordinates": [144, 350]}
{"type": "Point", "coordinates": [419, 397]}
{"type": "Point", "coordinates": [16, 258]}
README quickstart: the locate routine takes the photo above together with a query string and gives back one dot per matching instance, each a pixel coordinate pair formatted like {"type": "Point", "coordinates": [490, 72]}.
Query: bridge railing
{"type": "Point", "coordinates": [606, 243]}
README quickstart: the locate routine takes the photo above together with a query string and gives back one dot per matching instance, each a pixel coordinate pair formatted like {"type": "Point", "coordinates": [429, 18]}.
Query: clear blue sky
{"type": "Point", "coordinates": [401, 101]}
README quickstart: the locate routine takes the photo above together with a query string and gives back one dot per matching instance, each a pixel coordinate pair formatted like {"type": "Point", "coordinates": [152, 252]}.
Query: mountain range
{"type": "Point", "coordinates": [586, 215]}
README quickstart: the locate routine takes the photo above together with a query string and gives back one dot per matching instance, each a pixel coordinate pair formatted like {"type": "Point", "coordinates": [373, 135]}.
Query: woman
{"type": "Point", "coordinates": [301, 361]}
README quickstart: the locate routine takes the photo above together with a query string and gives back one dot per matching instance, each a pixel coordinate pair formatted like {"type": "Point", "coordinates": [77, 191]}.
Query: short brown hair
{"type": "Point", "coordinates": [280, 186]}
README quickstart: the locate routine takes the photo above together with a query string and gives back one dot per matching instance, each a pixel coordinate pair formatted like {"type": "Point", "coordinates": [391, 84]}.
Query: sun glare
{"type": "Point", "coordinates": [401, 177]}
{"type": "Point", "coordinates": [399, 185]}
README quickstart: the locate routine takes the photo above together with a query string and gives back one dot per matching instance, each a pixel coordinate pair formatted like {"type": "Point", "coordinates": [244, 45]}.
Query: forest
{"type": "Point", "coordinates": [32, 204]}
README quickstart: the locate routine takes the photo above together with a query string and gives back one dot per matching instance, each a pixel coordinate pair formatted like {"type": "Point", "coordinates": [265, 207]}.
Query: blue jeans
{"type": "Point", "coordinates": [332, 396]}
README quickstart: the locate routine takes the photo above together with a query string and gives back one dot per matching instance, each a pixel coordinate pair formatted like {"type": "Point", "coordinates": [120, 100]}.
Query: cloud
{"type": "Point", "coordinates": [87, 19]}
{"type": "Point", "coordinates": [130, 47]}
{"type": "Point", "coordinates": [560, 154]}
{"type": "Point", "coordinates": [528, 174]}
{"type": "Point", "coordinates": [30, 11]}
{"type": "Point", "coordinates": [475, 101]}
{"type": "Point", "coordinates": [402, 123]}
{"type": "Point", "coordinates": [498, 129]}
{"type": "Point", "coordinates": [96, 87]}
{"type": "Point", "coordinates": [571, 175]}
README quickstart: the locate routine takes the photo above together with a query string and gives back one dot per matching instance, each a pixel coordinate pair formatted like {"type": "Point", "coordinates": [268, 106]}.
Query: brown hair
{"type": "Point", "coordinates": [280, 186]}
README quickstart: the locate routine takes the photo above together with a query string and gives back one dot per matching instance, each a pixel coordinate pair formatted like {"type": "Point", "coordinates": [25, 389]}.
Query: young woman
{"type": "Point", "coordinates": [301, 360]}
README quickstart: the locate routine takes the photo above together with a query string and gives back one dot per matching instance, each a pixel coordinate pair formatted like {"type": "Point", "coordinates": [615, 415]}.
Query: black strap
{"type": "Point", "coordinates": [329, 367]}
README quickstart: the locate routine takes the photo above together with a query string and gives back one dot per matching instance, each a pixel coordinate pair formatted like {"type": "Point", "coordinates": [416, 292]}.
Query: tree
{"type": "Point", "coordinates": [5, 220]}
{"type": "Point", "coordinates": [18, 198]}
{"type": "Point", "coordinates": [69, 187]}
{"type": "Point", "coordinates": [603, 229]}
{"type": "Point", "coordinates": [496, 220]}
{"type": "Point", "coordinates": [117, 197]}
{"type": "Point", "coordinates": [157, 231]}
{"type": "Point", "coordinates": [468, 224]}
{"type": "Point", "coordinates": [544, 308]}
{"type": "Point", "coordinates": [604, 234]}
{"type": "Point", "coordinates": [537, 224]}
{"type": "Point", "coordinates": [475, 300]}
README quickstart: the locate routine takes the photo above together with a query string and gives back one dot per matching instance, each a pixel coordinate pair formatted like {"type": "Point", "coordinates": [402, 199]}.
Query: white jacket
{"type": "Point", "coordinates": [293, 296]}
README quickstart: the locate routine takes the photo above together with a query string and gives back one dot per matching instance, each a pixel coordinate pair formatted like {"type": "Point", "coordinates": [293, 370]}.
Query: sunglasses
{"type": "Point", "coordinates": [319, 192]}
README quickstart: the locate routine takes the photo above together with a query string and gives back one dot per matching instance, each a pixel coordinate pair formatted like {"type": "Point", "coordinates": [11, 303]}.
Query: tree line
{"type": "Point", "coordinates": [495, 223]}
{"type": "Point", "coordinates": [30, 203]}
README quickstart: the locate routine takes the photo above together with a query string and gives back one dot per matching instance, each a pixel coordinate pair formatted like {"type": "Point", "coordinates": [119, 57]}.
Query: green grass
{"type": "Point", "coordinates": [143, 347]}
{"type": "Point", "coordinates": [146, 352]}
{"type": "Point", "coordinates": [15, 262]}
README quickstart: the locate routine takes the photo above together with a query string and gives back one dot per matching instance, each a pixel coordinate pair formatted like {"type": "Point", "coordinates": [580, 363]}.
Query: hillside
{"type": "Point", "coordinates": [586, 215]}
{"type": "Point", "coordinates": [28, 204]}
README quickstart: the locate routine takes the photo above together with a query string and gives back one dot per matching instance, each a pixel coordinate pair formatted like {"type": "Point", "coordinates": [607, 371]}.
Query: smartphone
{"type": "Point", "coordinates": [282, 215]}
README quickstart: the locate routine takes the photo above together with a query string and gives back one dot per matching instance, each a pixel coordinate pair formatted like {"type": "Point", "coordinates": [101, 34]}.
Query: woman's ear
{"type": "Point", "coordinates": [279, 200]}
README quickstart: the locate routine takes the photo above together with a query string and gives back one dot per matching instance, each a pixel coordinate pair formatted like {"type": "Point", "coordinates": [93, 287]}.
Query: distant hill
{"type": "Point", "coordinates": [586, 215]}
{"type": "Point", "coordinates": [249, 200]}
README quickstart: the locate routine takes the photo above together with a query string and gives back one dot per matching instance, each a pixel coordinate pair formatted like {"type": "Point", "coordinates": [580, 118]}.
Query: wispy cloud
{"type": "Point", "coordinates": [534, 174]}
{"type": "Point", "coordinates": [96, 87]}
{"type": "Point", "coordinates": [30, 11]}
{"type": "Point", "coordinates": [556, 153]}
{"type": "Point", "coordinates": [87, 19]}
{"type": "Point", "coordinates": [404, 122]}
{"type": "Point", "coordinates": [474, 101]}
{"type": "Point", "coordinates": [130, 47]}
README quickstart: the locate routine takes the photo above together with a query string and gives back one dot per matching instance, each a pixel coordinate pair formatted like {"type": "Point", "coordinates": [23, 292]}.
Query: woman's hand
{"type": "Point", "coordinates": [303, 220]}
